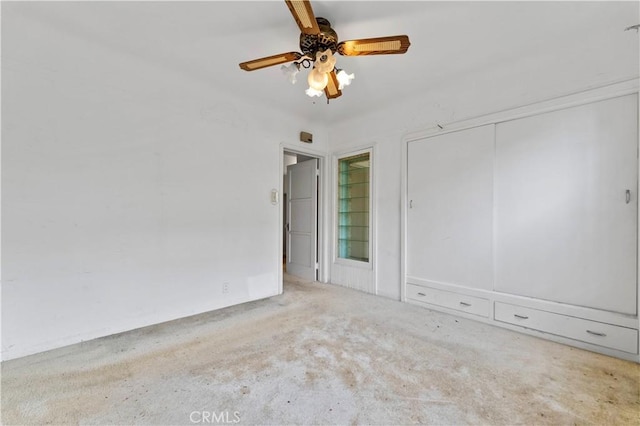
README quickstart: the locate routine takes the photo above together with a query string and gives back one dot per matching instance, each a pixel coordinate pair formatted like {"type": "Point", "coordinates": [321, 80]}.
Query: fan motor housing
{"type": "Point", "coordinates": [326, 39]}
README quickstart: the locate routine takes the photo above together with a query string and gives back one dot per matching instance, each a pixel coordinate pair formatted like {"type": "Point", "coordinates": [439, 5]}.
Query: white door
{"type": "Point", "coordinates": [302, 214]}
{"type": "Point", "coordinates": [566, 205]}
{"type": "Point", "coordinates": [450, 216]}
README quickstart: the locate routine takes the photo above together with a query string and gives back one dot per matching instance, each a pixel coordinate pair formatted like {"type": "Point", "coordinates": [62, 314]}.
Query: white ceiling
{"type": "Point", "coordinates": [450, 42]}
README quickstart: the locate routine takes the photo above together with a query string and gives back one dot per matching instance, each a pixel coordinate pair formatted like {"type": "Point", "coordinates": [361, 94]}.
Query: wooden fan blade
{"type": "Point", "coordinates": [256, 64]}
{"type": "Point", "coordinates": [303, 14]}
{"type": "Point", "coordinates": [332, 90]}
{"type": "Point", "coordinates": [375, 46]}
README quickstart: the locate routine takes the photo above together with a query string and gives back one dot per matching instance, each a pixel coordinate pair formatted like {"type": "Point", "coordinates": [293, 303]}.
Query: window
{"type": "Point", "coordinates": [354, 189]}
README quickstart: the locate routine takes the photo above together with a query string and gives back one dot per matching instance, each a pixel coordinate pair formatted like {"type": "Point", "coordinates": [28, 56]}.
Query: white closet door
{"type": "Point", "coordinates": [565, 229]}
{"type": "Point", "coordinates": [450, 188]}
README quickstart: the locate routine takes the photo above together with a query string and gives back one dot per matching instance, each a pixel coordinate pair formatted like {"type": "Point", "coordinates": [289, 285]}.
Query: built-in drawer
{"type": "Point", "coordinates": [448, 299]}
{"type": "Point", "coordinates": [597, 333]}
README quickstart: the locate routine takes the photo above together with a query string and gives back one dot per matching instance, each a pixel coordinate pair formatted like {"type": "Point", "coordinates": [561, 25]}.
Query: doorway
{"type": "Point", "coordinates": [301, 215]}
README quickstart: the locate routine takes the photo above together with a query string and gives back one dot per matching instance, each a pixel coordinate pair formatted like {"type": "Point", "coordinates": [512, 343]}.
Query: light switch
{"type": "Point", "coordinates": [274, 196]}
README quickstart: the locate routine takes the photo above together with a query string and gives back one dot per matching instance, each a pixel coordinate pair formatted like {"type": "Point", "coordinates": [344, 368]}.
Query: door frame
{"type": "Point", "coordinates": [323, 264]}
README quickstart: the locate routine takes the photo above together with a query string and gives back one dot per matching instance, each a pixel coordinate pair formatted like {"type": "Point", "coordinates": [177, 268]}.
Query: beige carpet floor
{"type": "Point", "coordinates": [320, 354]}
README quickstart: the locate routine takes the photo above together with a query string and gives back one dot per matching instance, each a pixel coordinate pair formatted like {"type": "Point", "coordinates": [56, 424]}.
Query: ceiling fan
{"type": "Point", "coordinates": [319, 43]}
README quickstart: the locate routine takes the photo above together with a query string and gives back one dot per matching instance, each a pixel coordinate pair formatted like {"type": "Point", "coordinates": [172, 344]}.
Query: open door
{"type": "Point", "coordinates": [301, 222]}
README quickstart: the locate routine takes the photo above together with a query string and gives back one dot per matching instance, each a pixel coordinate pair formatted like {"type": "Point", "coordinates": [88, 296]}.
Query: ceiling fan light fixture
{"type": "Point", "coordinates": [325, 61]}
{"type": "Point", "coordinates": [344, 79]}
{"type": "Point", "coordinates": [317, 80]}
{"type": "Point", "coordinates": [319, 43]}
{"type": "Point", "coordinates": [311, 92]}
{"type": "Point", "coordinates": [291, 71]}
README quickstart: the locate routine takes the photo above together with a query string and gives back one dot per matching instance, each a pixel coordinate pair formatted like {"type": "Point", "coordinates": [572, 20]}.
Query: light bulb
{"type": "Point", "coordinates": [317, 80]}
{"type": "Point", "coordinates": [344, 79]}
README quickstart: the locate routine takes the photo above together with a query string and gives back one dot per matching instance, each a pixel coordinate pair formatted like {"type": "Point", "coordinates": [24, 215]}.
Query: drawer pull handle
{"type": "Point", "coordinates": [520, 316]}
{"type": "Point", "coordinates": [421, 294]}
{"type": "Point", "coordinates": [465, 304]}
{"type": "Point", "coordinates": [595, 333]}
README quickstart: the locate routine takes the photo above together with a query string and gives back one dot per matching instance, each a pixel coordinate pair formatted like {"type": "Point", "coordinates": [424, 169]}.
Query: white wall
{"type": "Point", "coordinates": [129, 195]}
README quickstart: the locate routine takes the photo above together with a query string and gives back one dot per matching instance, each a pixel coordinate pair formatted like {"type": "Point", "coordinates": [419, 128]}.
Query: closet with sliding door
{"type": "Point", "coordinates": [531, 223]}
